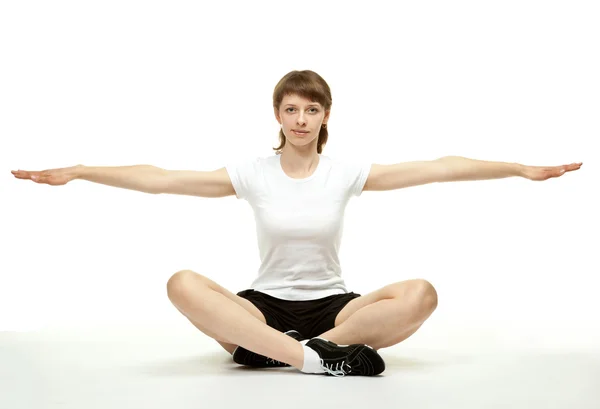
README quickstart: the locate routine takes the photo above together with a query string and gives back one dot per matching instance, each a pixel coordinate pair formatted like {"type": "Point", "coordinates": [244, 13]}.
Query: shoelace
{"type": "Point", "coordinates": [337, 370]}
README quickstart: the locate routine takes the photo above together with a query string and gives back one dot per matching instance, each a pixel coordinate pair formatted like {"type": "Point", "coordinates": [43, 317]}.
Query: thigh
{"type": "Point", "coordinates": [389, 291]}
{"type": "Point", "coordinates": [247, 305]}
{"type": "Point", "coordinates": [400, 289]}
{"type": "Point", "coordinates": [188, 277]}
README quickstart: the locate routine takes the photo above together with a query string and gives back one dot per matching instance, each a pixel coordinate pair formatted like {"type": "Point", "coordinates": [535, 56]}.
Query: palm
{"type": "Point", "coordinates": [54, 177]}
{"type": "Point", "coordinates": [539, 173]}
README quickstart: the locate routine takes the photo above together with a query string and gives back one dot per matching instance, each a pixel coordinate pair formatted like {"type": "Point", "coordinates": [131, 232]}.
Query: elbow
{"type": "Point", "coordinates": [158, 181]}
{"type": "Point", "coordinates": [444, 168]}
{"type": "Point", "coordinates": [449, 158]}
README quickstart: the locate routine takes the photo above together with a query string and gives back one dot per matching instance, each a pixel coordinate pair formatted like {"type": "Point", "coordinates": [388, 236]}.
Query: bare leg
{"type": "Point", "coordinates": [380, 325]}
{"type": "Point", "coordinates": [385, 317]}
{"type": "Point", "coordinates": [223, 316]}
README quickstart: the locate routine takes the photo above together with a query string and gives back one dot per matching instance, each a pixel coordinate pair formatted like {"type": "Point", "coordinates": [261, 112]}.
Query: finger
{"type": "Point", "coordinates": [21, 175]}
{"type": "Point", "coordinates": [26, 174]}
{"type": "Point", "coordinates": [572, 167]}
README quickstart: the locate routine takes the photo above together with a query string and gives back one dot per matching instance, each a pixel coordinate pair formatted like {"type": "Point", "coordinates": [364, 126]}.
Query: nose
{"type": "Point", "coordinates": [300, 119]}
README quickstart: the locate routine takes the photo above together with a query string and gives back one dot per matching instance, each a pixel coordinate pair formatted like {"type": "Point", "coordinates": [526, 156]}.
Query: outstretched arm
{"type": "Point", "coordinates": [453, 169]}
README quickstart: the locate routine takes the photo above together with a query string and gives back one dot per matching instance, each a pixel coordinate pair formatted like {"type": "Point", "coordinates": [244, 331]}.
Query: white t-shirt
{"type": "Point", "coordinates": [299, 223]}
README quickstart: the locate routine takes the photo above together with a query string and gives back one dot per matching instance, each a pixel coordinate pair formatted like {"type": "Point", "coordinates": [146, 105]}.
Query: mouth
{"type": "Point", "coordinates": [300, 133]}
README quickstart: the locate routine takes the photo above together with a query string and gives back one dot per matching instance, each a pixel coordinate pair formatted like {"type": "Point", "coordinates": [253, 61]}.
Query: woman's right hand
{"type": "Point", "coordinates": [54, 177]}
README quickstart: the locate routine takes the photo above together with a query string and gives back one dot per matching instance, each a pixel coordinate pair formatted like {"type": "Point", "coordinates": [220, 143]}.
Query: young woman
{"type": "Point", "coordinates": [298, 310]}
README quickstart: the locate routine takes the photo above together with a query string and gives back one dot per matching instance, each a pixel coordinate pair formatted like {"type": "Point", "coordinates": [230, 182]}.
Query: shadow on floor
{"type": "Point", "coordinates": [213, 364]}
{"type": "Point", "coordinates": [221, 363]}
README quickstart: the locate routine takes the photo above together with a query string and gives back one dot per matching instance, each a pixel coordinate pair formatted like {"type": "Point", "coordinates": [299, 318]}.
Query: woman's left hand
{"type": "Point", "coordinates": [547, 172]}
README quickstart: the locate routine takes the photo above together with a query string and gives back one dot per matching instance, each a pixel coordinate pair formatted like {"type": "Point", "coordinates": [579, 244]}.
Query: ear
{"type": "Point", "coordinates": [276, 111]}
{"type": "Point", "coordinates": [326, 117]}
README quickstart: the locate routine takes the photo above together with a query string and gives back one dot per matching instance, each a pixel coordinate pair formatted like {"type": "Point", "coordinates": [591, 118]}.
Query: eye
{"type": "Point", "coordinates": [315, 109]}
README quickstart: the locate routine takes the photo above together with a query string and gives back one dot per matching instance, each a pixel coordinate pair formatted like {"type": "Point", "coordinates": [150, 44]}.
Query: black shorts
{"type": "Point", "coordinates": [310, 318]}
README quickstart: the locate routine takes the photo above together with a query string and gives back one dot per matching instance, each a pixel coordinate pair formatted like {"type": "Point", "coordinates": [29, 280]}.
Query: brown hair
{"type": "Point", "coordinates": [306, 84]}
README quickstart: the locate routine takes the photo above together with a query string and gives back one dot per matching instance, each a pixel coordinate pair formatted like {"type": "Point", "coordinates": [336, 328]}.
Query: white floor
{"type": "Point", "coordinates": [166, 368]}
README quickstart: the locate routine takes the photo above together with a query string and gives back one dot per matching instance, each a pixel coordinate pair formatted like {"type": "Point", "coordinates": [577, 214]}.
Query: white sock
{"type": "Point", "coordinates": [312, 360]}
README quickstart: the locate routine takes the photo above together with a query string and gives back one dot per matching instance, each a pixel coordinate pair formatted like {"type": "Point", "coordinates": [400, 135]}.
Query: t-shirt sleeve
{"type": "Point", "coordinates": [357, 175]}
{"type": "Point", "coordinates": [243, 176]}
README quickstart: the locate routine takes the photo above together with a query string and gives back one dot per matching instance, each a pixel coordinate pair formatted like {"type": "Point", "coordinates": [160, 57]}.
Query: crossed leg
{"type": "Point", "coordinates": [379, 319]}
{"type": "Point", "coordinates": [384, 317]}
{"type": "Point", "coordinates": [198, 284]}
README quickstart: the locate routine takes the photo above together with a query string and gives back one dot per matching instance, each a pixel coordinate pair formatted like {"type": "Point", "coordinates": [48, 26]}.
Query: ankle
{"type": "Point", "coordinates": [312, 361]}
{"type": "Point", "coordinates": [298, 360]}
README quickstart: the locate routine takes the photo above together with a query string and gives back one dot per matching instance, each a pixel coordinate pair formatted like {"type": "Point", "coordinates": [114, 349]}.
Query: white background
{"type": "Point", "coordinates": [188, 85]}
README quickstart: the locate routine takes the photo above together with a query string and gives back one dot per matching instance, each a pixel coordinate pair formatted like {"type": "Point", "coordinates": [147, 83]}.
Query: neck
{"type": "Point", "coordinates": [299, 160]}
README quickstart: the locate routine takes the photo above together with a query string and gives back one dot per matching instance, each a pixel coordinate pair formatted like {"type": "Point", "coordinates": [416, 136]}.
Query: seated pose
{"type": "Point", "coordinates": [298, 311]}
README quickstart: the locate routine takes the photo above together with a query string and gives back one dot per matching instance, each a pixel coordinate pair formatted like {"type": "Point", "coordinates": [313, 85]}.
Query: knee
{"type": "Point", "coordinates": [179, 284]}
{"type": "Point", "coordinates": [427, 295]}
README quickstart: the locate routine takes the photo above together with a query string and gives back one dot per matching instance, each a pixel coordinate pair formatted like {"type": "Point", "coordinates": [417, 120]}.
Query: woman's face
{"type": "Point", "coordinates": [299, 114]}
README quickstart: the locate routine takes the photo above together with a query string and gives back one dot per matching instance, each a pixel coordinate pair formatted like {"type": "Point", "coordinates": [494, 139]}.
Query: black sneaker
{"type": "Point", "coordinates": [243, 356]}
{"type": "Point", "coordinates": [344, 360]}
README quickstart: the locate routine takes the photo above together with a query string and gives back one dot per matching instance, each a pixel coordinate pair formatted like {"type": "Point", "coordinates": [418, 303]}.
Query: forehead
{"type": "Point", "coordinates": [297, 100]}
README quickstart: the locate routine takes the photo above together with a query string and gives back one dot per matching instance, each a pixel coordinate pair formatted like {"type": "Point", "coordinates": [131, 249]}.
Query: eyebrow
{"type": "Point", "coordinates": [310, 105]}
